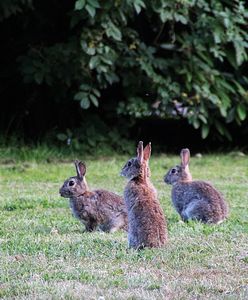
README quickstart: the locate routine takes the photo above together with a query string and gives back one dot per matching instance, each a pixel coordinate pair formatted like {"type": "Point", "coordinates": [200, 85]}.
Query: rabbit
{"type": "Point", "coordinates": [146, 222]}
{"type": "Point", "coordinates": [196, 200]}
{"type": "Point", "coordinates": [95, 209]}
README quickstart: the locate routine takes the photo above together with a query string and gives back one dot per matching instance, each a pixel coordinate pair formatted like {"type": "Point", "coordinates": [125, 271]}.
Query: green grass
{"type": "Point", "coordinates": [44, 253]}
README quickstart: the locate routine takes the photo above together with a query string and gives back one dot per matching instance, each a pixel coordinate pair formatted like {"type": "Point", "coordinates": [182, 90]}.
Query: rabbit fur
{"type": "Point", "coordinates": [197, 200]}
{"type": "Point", "coordinates": [146, 222]}
{"type": "Point", "coordinates": [95, 209]}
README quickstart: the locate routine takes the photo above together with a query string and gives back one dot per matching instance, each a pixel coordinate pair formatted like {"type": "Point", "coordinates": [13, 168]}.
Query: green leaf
{"type": "Point", "coordinates": [93, 3]}
{"type": "Point", "coordinates": [240, 88]}
{"type": "Point", "coordinates": [79, 4]}
{"type": "Point", "coordinates": [91, 142]}
{"type": "Point", "coordinates": [102, 68]}
{"type": "Point", "coordinates": [203, 119]}
{"type": "Point", "coordinates": [96, 92]}
{"type": "Point", "coordinates": [223, 111]}
{"type": "Point", "coordinates": [242, 112]}
{"type": "Point", "coordinates": [137, 8]}
{"type": "Point", "coordinates": [91, 10]}
{"type": "Point", "coordinates": [85, 103]}
{"type": "Point", "coordinates": [62, 137]}
{"type": "Point", "coordinates": [226, 85]}
{"type": "Point", "coordinates": [204, 131]}
{"type": "Point", "coordinates": [106, 60]}
{"type": "Point", "coordinates": [68, 132]}
{"type": "Point", "coordinates": [227, 134]}
{"type": "Point", "coordinates": [231, 115]}
{"type": "Point", "coordinates": [168, 46]}
{"type": "Point", "coordinates": [91, 51]}
{"type": "Point", "coordinates": [180, 18]}
{"type": "Point", "coordinates": [94, 62]}
{"type": "Point", "coordinates": [196, 123]}
{"type": "Point", "coordinates": [85, 87]}
{"type": "Point", "coordinates": [222, 130]}
{"type": "Point", "coordinates": [38, 77]}
{"type": "Point", "coordinates": [219, 127]}
{"type": "Point", "coordinates": [94, 100]}
{"type": "Point", "coordinates": [80, 96]}
{"type": "Point", "coordinates": [166, 15]}
{"type": "Point", "coordinates": [113, 31]}
{"type": "Point", "coordinates": [138, 4]}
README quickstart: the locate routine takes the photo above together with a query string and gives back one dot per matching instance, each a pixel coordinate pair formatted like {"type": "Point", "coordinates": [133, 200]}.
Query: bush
{"type": "Point", "coordinates": [168, 58]}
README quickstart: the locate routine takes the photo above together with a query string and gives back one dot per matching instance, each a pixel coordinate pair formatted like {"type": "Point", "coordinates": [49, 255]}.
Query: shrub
{"type": "Point", "coordinates": [169, 59]}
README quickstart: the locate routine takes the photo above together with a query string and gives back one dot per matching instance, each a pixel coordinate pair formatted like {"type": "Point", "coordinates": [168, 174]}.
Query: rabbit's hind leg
{"type": "Point", "coordinates": [184, 216]}
{"type": "Point", "coordinates": [197, 210]}
{"type": "Point", "coordinates": [117, 224]}
{"type": "Point", "coordinates": [109, 226]}
{"type": "Point", "coordinates": [188, 211]}
{"type": "Point", "coordinates": [91, 225]}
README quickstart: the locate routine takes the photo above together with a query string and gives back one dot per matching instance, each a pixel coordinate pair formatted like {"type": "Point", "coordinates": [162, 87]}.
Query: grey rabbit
{"type": "Point", "coordinates": [95, 209]}
{"type": "Point", "coordinates": [146, 222]}
{"type": "Point", "coordinates": [196, 200]}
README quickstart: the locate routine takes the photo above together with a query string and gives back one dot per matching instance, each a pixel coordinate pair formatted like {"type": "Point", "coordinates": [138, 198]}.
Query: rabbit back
{"type": "Point", "coordinates": [199, 200]}
{"type": "Point", "coordinates": [111, 210]}
{"type": "Point", "coordinates": [102, 209]}
{"type": "Point", "coordinates": [146, 221]}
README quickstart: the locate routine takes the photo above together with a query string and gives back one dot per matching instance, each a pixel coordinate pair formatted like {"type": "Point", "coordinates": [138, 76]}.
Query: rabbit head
{"type": "Point", "coordinates": [138, 166]}
{"type": "Point", "coordinates": [77, 185]}
{"type": "Point", "coordinates": [180, 173]}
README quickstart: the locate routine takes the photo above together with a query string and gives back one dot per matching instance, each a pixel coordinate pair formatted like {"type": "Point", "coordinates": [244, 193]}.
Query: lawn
{"type": "Point", "coordinates": [44, 253]}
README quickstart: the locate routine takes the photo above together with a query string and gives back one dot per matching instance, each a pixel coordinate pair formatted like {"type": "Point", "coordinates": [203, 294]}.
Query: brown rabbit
{"type": "Point", "coordinates": [95, 209]}
{"type": "Point", "coordinates": [197, 200]}
{"type": "Point", "coordinates": [146, 221]}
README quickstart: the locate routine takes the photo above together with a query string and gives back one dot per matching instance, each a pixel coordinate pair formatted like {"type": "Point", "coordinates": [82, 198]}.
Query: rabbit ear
{"type": "Point", "coordinates": [140, 153]}
{"type": "Point", "coordinates": [80, 168]}
{"type": "Point", "coordinates": [147, 151]}
{"type": "Point", "coordinates": [185, 155]}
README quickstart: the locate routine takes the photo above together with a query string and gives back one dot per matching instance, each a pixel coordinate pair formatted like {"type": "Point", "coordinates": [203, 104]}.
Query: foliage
{"type": "Point", "coordinates": [13, 7]}
{"type": "Point", "coordinates": [169, 59]}
{"type": "Point", "coordinates": [96, 138]}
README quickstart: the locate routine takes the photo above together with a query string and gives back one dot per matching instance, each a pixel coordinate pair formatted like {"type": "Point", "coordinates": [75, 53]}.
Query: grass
{"type": "Point", "coordinates": [44, 253]}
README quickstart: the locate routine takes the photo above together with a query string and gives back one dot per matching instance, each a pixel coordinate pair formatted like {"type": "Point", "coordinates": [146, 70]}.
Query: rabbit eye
{"type": "Point", "coordinates": [173, 171]}
{"type": "Point", "coordinates": [71, 183]}
{"type": "Point", "coordinates": [129, 164]}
